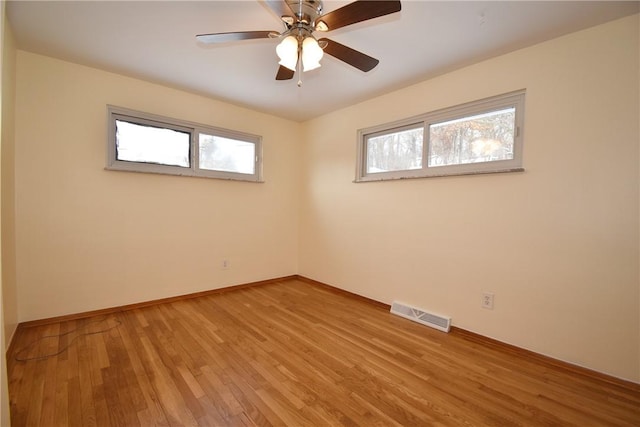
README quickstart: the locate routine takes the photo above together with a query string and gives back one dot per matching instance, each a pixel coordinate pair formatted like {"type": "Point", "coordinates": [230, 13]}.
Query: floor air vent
{"type": "Point", "coordinates": [442, 323]}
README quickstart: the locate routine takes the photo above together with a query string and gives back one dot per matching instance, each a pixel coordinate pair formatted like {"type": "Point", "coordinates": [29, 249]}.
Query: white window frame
{"type": "Point", "coordinates": [509, 100]}
{"type": "Point", "coordinates": [194, 129]}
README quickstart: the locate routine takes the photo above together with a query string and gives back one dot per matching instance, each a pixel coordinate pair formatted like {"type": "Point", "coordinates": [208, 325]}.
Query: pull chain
{"type": "Point", "coordinates": [300, 48]}
{"type": "Point", "coordinates": [299, 68]}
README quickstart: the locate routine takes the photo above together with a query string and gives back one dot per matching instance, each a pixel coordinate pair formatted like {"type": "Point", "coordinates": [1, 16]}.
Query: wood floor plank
{"type": "Point", "coordinates": [151, 413]}
{"type": "Point", "coordinates": [291, 353]}
{"type": "Point", "coordinates": [85, 402]}
{"type": "Point", "coordinates": [61, 404]}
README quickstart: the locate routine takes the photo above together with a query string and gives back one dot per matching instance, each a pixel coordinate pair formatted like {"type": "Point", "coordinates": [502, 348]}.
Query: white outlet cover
{"type": "Point", "coordinates": [487, 300]}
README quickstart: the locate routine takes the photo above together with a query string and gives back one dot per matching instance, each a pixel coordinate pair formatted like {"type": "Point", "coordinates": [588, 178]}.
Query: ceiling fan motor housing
{"type": "Point", "coordinates": [307, 11]}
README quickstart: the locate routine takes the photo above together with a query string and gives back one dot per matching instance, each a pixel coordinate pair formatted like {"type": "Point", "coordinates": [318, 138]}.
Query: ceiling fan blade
{"type": "Point", "coordinates": [235, 36]}
{"type": "Point", "coordinates": [350, 56]}
{"type": "Point", "coordinates": [357, 11]}
{"type": "Point", "coordinates": [282, 9]}
{"type": "Point", "coordinates": [284, 73]}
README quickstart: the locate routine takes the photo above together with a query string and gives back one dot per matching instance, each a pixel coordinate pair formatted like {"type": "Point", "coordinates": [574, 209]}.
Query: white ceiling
{"type": "Point", "coordinates": [155, 40]}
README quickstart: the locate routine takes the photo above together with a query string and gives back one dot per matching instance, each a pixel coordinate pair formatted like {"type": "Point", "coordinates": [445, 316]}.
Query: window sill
{"type": "Point", "coordinates": [396, 178]}
{"type": "Point", "coordinates": [186, 173]}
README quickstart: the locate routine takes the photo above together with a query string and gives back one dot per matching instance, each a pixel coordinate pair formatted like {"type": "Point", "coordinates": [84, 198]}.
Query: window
{"type": "Point", "coordinates": [141, 142]}
{"type": "Point", "coordinates": [479, 137]}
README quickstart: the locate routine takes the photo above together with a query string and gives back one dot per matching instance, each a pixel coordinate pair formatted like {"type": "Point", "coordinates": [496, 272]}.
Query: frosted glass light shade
{"type": "Point", "coordinates": [287, 51]}
{"type": "Point", "coordinates": [311, 54]}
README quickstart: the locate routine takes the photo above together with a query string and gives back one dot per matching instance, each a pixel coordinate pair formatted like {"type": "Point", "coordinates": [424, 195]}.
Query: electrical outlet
{"type": "Point", "coordinates": [487, 300]}
{"type": "Point", "coordinates": [226, 264]}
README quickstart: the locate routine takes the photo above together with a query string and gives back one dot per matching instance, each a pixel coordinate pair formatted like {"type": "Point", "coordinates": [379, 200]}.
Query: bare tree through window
{"type": "Point", "coordinates": [483, 138]}
{"type": "Point", "coordinates": [395, 151]}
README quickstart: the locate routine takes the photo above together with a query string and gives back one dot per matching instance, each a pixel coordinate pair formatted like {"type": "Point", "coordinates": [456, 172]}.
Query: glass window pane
{"type": "Point", "coordinates": [482, 138]}
{"type": "Point", "coordinates": [226, 155]}
{"type": "Point", "coordinates": [150, 144]}
{"type": "Point", "coordinates": [396, 151]}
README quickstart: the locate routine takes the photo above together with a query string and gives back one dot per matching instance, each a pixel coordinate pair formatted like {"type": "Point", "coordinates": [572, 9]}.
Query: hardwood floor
{"type": "Point", "coordinates": [295, 354]}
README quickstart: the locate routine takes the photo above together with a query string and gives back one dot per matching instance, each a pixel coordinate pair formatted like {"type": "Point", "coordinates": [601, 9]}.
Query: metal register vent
{"type": "Point", "coordinates": [442, 323]}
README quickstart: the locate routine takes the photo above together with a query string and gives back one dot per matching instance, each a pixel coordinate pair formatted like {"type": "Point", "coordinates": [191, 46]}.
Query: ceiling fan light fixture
{"type": "Point", "coordinates": [287, 51]}
{"type": "Point", "coordinates": [321, 26]}
{"type": "Point", "coordinates": [311, 54]}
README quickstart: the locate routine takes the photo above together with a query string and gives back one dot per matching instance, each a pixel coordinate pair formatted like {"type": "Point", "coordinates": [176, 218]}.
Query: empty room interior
{"type": "Point", "coordinates": [434, 221]}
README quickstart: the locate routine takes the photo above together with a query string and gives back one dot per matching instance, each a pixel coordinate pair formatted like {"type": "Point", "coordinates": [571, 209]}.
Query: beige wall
{"type": "Point", "coordinates": [87, 238]}
{"type": "Point", "coordinates": [557, 244]}
{"type": "Point", "coordinates": [7, 201]}
{"type": "Point", "coordinates": [8, 313]}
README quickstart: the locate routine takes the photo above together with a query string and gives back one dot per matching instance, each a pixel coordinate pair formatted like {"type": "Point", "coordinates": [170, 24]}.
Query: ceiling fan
{"type": "Point", "coordinates": [298, 47]}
